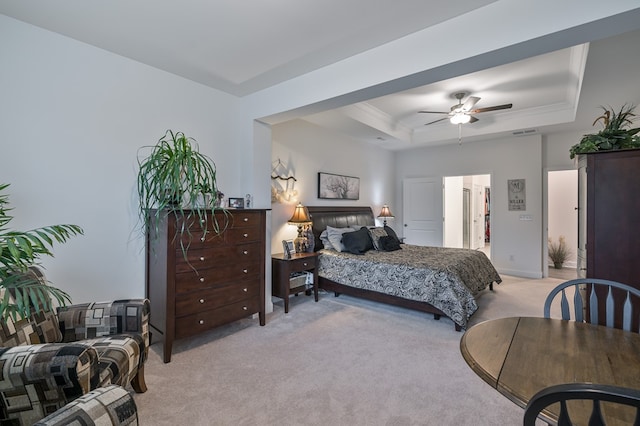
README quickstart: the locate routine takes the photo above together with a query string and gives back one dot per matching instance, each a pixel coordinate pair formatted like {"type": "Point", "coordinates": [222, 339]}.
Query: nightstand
{"type": "Point", "coordinates": [281, 269]}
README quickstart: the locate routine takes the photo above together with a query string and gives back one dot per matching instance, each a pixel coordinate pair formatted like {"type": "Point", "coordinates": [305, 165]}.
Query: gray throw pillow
{"type": "Point", "coordinates": [335, 237]}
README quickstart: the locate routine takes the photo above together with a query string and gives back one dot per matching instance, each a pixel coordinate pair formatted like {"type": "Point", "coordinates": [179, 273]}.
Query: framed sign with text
{"type": "Point", "coordinates": [517, 194]}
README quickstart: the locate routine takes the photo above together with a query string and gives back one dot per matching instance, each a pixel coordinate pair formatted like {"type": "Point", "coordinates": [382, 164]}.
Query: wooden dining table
{"type": "Point", "coordinates": [519, 356]}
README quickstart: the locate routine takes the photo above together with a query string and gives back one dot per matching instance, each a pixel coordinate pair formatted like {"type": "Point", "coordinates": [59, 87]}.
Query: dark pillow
{"type": "Point", "coordinates": [392, 233]}
{"type": "Point", "coordinates": [389, 243]}
{"type": "Point", "coordinates": [357, 242]}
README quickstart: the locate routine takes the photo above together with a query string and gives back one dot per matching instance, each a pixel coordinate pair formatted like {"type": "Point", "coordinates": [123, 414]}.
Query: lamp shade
{"type": "Point", "coordinates": [300, 215]}
{"type": "Point", "coordinates": [385, 212]}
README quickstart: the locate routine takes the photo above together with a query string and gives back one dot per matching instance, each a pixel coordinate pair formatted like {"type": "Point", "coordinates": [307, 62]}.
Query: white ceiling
{"type": "Point", "coordinates": [244, 46]}
{"type": "Point", "coordinates": [236, 46]}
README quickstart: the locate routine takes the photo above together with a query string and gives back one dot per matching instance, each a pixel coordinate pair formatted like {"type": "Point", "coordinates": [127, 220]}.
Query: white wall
{"type": "Point", "coordinates": [307, 149]}
{"type": "Point", "coordinates": [516, 244]}
{"type": "Point", "coordinates": [72, 119]}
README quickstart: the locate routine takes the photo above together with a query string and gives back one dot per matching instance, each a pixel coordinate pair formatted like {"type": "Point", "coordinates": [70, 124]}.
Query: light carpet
{"type": "Point", "coordinates": [341, 361]}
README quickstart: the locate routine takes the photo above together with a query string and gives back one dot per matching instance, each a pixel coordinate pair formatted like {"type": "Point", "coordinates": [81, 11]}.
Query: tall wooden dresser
{"type": "Point", "coordinates": [220, 280]}
{"type": "Point", "coordinates": [609, 218]}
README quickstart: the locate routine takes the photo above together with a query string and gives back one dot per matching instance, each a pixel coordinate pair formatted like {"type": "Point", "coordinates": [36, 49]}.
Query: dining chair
{"type": "Point", "coordinates": [581, 391]}
{"type": "Point", "coordinates": [597, 303]}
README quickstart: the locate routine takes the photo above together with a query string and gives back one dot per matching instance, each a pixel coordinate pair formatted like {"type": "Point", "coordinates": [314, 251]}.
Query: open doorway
{"type": "Point", "coordinates": [467, 212]}
{"type": "Point", "coordinates": [562, 219]}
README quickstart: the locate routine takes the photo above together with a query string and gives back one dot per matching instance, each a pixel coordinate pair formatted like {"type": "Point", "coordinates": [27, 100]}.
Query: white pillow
{"type": "Point", "coordinates": [325, 240]}
{"type": "Point", "coordinates": [335, 236]}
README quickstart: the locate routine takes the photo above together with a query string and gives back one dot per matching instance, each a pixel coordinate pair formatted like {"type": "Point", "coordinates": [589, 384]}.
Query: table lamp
{"type": "Point", "coordinates": [300, 218]}
{"type": "Point", "coordinates": [385, 213]}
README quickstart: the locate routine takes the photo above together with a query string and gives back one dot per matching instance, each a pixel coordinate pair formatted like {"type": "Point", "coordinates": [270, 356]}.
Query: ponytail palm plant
{"type": "Point", "coordinates": [175, 177]}
{"type": "Point", "coordinates": [19, 250]}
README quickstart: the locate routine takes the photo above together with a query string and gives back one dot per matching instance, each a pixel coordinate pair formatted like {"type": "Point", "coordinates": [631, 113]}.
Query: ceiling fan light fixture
{"type": "Point", "coordinates": [460, 118]}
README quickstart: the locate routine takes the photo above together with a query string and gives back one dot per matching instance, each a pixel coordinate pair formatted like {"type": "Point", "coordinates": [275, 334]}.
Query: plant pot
{"type": "Point", "coordinates": [557, 265]}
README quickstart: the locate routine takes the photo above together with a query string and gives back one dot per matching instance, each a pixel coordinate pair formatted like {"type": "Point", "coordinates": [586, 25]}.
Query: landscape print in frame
{"type": "Point", "coordinates": [338, 187]}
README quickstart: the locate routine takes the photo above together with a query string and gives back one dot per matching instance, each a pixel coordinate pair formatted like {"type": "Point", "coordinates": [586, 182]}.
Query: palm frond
{"type": "Point", "coordinates": [18, 251]}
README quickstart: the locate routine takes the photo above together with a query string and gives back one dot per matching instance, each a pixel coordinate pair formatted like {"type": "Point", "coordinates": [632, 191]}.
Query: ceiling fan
{"type": "Point", "coordinates": [462, 113]}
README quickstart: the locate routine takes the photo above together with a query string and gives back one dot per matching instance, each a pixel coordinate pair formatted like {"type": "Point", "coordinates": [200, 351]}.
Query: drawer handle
{"type": "Point", "coordinates": [201, 279]}
{"type": "Point", "coordinates": [304, 264]}
{"type": "Point", "coordinates": [202, 221]}
{"type": "Point", "coordinates": [245, 252]}
{"type": "Point", "coordinates": [245, 271]}
{"type": "Point", "coordinates": [246, 219]}
{"type": "Point", "coordinates": [244, 308]}
{"type": "Point", "coordinates": [245, 289]}
{"type": "Point", "coordinates": [201, 322]}
{"type": "Point", "coordinates": [201, 300]}
{"type": "Point", "coordinates": [245, 235]}
{"type": "Point", "coordinates": [201, 258]}
{"type": "Point", "coordinates": [202, 239]}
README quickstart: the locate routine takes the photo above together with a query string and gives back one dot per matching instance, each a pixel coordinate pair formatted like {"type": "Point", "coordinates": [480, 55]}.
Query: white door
{"type": "Point", "coordinates": [422, 211]}
{"type": "Point", "coordinates": [478, 217]}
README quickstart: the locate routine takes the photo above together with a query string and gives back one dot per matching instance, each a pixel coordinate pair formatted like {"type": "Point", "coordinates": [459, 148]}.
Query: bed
{"type": "Point", "coordinates": [437, 280]}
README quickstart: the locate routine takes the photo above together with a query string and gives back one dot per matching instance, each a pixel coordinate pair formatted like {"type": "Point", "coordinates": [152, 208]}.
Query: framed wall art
{"type": "Point", "coordinates": [338, 187]}
{"type": "Point", "coordinates": [517, 194]}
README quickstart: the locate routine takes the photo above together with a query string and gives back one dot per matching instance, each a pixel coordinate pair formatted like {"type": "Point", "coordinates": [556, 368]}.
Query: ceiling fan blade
{"type": "Point", "coordinates": [470, 102]}
{"type": "Point", "coordinates": [493, 108]}
{"type": "Point", "coordinates": [442, 119]}
{"type": "Point", "coordinates": [434, 112]}
{"type": "Point", "coordinates": [473, 119]}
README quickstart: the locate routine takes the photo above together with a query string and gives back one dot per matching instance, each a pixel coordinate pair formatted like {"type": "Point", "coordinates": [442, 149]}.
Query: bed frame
{"type": "Point", "coordinates": [341, 217]}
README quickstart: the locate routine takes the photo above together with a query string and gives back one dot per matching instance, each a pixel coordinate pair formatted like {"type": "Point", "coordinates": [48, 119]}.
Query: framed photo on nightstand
{"type": "Point", "coordinates": [288, 248]}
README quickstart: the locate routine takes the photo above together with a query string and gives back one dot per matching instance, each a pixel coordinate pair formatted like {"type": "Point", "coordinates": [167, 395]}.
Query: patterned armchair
{"type": "Point", "coordinates": [53, 358]}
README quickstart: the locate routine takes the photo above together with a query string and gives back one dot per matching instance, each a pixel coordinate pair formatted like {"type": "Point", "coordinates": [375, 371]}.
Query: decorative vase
{"type": "Point", "coordinates": [311, 241]}
{"type": "Point", "coordinates": [557, 265]}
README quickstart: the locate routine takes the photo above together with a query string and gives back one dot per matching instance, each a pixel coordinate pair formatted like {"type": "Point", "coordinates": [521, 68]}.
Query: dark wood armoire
{"type": "Point", "coordinates": [609, 217]}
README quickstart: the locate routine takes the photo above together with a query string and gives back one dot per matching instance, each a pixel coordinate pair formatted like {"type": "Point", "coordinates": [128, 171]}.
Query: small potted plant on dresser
{"type": "Point", "coordinates": [204, 266]}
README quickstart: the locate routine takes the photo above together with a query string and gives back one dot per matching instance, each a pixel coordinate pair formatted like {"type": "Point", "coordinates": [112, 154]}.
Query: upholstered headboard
{"type": "Point", "coordinates": [338, 217]}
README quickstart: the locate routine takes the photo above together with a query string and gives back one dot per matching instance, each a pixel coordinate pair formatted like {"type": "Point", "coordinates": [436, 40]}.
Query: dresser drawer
{"type": "Point", "coordinates": [245, 219]}
{"type": "Point", "coordinates": [241, 227]}
{"type": "Point", "coordinates": [197, 238]}
{"type": "Point", "coordinates": [243, 235]}
{"type": "Point", "coordinates": [204, 258]}
{"type": "Point", "coordinates": [217, 276]}
{"type": "Point", "coordinates": [197, 323]}
{"type": "Point", "coordinates": [213, 298]}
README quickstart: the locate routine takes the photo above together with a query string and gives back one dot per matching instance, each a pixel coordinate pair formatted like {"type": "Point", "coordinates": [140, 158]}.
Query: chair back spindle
{"type": "Point", "coordinates": [581, 391]}
{"type": "Point", "coordinates": [597, 302]}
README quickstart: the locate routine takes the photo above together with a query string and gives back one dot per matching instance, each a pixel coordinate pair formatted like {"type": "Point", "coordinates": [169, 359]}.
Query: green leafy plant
{"type": "Point", "coordinates": [175, 177]}
{"type": "Point", "coordinates": [559, 252]}
{"type": "Point", "coordinates": [616, 133]}
{"type": "Point", "coordinates": [18, 251]}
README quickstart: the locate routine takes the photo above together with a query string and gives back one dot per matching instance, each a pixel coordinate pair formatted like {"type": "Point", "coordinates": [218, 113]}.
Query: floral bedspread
{"type": "Point", "coordinates": [447, 278]}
